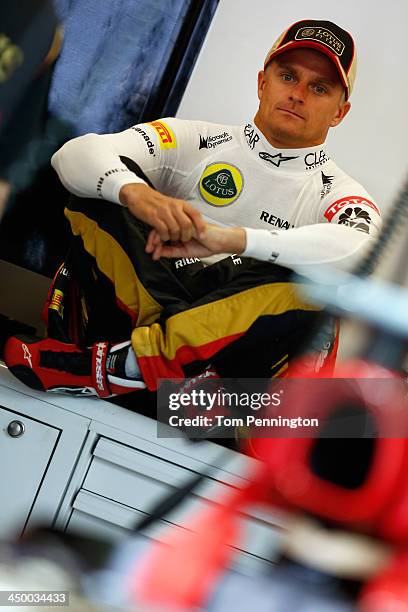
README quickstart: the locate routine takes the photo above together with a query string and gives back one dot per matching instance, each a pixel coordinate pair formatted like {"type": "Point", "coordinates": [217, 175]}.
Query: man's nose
{"type": "Point", "coordinates": [298, 92]}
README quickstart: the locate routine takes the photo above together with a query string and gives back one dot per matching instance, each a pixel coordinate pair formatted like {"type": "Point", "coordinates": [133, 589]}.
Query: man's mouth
{"type": "Point", "coordinates": [290, 112]}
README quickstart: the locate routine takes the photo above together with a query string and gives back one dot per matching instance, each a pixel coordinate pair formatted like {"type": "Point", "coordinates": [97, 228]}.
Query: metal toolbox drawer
{"type": "Point", "coordinates": [137, 481]}
{"type": "Point", "coordinates": [26, 448]}
{"type": "Point", "coordinates": [108, 520]}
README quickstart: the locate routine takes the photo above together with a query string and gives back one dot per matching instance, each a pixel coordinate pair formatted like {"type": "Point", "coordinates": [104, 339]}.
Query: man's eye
{"type": "Point", "coordinates": [319, 89]}
{"type": "Point", "coordinates": [287, 77]}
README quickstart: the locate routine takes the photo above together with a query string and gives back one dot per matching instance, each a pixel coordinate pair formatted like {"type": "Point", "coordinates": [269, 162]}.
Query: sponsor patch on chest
{"type": "Point", "coordinates": [221, 184]}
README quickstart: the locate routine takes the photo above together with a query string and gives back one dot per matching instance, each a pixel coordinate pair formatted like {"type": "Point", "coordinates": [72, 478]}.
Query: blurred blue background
{"type": "Point", "coordinates": [121, 62]}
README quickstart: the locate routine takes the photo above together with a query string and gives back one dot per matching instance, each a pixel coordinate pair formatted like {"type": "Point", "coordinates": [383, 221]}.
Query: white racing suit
{"type": "Point", "coordinates": [298, 207]}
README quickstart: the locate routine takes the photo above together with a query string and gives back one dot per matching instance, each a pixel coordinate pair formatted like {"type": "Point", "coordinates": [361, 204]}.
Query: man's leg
{"type": "Point", "coordinates": [181, 322]}
{"type": "Point", "coordinates": [250, 326]}
{"type": "Point", "coordinates": [98, 293]}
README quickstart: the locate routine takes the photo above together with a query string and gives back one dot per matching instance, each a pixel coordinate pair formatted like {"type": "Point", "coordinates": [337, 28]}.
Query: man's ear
{"type": "Point", "coordinates": [342, 111]}
{"type": "Point", "coordinates": [261, 83]}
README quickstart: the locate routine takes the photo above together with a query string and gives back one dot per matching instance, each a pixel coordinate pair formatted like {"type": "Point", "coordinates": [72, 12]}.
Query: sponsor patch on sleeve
{"type": "Point", "coordinates": [352, 201]}
{"type": "Point", "coordinates": [352, 211]}
{"type": "Point", "coordinates": [166, 135]}
{"type": "Point", "coordinates": [355, 216]}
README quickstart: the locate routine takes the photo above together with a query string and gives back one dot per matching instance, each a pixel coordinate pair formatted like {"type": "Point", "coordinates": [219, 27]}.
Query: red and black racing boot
{"type": "Point", "coordinates": [51, 365]}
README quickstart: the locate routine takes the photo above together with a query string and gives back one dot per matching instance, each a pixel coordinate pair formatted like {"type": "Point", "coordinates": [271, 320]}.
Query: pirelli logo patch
{"type": "Point", "coordinates": [57, 302]}
{"type": "Point", "coordinates": [167, 139]}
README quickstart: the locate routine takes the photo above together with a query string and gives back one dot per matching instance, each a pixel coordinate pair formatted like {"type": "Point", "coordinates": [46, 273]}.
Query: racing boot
{"type": "Point", "coordinates": [58, 367]}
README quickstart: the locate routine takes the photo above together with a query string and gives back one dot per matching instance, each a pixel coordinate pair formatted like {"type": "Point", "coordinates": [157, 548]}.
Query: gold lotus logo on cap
{"type": "Point", "coordinates": [324, 36]}
{"type": "Point", "coordinates": [308, 32]}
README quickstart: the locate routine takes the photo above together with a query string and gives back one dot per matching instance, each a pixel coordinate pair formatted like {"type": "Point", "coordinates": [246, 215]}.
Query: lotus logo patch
{"type": "Point", "coordinates": [324, 36]}
{"type": "Point", "coordinates": [221, 184]}
{"type": "Point", "coordinates": [307, 32]}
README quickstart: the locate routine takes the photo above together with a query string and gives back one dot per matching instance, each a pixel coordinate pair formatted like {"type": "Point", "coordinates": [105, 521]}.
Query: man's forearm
{"type": "Point", "coordinates": [299, 248]}
{"type": "Point", "coordinates": [308, 246]}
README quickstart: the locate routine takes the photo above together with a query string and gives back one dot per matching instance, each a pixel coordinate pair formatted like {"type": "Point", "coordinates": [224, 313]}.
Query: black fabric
{"type": "Point", "coordinates": [79, 364]}
{"type": "Point", "coordinates": [259, 352]}
{"type": "Point", "coordinates": [134, 167]}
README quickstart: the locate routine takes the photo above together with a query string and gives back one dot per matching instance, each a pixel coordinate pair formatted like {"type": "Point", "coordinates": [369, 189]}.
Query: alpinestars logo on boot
{"type": "Point", "coordinates": [221, 184]}
{"type": "Point", "coordinates": [27, 355]}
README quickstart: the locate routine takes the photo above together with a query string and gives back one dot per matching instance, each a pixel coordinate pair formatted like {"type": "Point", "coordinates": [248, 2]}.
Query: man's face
{"type": "Point", "coordinates": [301, 97]}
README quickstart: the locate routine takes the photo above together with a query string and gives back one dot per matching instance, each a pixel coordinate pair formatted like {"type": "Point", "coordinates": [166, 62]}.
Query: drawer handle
{"type": "Point", "coordinates": [16, 429]}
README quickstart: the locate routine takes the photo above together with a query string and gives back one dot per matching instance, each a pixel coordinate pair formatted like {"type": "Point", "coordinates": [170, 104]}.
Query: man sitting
{"type": "Point", "coordinates": [121, 320]}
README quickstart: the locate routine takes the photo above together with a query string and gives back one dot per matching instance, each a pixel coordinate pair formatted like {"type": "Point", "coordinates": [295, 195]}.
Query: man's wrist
{"type": "Point", "coordinates": [128, 192]}
{"type": "Point", "coordinates": [236, 241]}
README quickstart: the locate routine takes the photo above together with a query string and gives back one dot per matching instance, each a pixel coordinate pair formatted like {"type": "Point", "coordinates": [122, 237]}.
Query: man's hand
{"type": "Point", "coordinates": [212, 240]}
{"type": "Point", "coordinates": [172, 219]}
